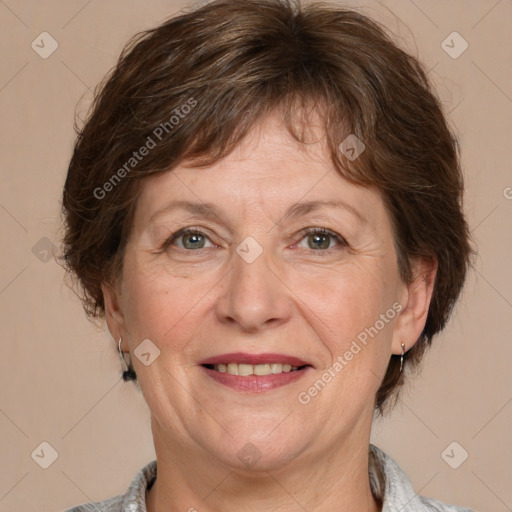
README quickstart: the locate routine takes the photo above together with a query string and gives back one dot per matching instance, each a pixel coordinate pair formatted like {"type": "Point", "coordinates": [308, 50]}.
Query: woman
{"type": "Point", "coordinates": [266, 205]}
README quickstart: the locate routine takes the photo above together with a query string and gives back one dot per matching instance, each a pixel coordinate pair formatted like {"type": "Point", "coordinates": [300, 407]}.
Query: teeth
{"type": "Point", "coordinates": [261, 369]}
{"type": "Point", "coordinates": [245, 369]}
{"type": "Point", "coordinates": [276, 368]}
{"type": "Point", "coordinates": [256, 369]}
{"type": "Point", "coordinates": [233, 369]}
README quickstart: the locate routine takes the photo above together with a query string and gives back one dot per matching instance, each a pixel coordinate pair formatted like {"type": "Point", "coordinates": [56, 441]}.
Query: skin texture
{"type": "Point", "coordinates": [294, 299]}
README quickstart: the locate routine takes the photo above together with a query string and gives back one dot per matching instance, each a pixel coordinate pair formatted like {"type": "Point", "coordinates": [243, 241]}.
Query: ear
{"type": "Point", "coordinates": [415, 300]}
{"type": "Point", "coordinates": [113, 312]}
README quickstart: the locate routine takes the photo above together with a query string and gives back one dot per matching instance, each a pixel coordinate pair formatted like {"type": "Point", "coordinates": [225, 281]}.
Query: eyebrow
{"type": "Point", "coordinates": [304, 208]}
{"type": "Point", "coordinates": [211, 211]}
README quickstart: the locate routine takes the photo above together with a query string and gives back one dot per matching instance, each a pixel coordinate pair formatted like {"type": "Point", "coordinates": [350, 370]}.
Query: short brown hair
{"type": "Point", "coordinates": [231, 62]}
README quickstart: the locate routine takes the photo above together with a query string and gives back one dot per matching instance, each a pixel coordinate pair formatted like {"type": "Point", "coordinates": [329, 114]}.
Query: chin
{"type": "Point", "coordinates": [255, 453]}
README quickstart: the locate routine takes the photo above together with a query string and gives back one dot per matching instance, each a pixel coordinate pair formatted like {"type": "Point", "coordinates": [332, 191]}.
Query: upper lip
{"type": "Point", "coordinates": [254, 359]}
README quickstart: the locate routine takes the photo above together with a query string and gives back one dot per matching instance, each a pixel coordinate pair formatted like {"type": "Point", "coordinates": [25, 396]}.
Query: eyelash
{"type": "Point", "coordinates": [303, 233]}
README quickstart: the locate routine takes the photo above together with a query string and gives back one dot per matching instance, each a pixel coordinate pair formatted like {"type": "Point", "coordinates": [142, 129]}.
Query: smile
{"type": "Point", "coordinates": [245, 370]}
{"type": "Point", "coordinates": [255, 373]}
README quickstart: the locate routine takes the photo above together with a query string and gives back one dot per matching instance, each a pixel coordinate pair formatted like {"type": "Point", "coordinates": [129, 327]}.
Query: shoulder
{"type": "Point", "coordinates": [433, 505]}
{"type": "Point", "coordinates": [397, 492]}
{"type": "Point", "coordinates": [110, 505]}
{"type": "Point", "coordinates": [133, 500]}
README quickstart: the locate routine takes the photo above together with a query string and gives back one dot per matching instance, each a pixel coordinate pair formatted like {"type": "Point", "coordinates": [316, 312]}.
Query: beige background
{"type": "Point", "coordinates": [59, 374]}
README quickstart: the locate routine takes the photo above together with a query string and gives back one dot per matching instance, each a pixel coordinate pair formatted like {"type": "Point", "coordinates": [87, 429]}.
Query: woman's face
{"type": "Point", "coordinates": [254, 284]}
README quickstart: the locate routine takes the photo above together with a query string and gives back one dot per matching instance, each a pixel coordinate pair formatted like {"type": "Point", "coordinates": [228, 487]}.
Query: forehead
{"type": "Point", "coordinates": [269, 170]}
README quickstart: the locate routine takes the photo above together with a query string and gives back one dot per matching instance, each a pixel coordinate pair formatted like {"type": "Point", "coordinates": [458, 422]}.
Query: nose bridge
{"type": "Point", "coordinates": [254, 295]}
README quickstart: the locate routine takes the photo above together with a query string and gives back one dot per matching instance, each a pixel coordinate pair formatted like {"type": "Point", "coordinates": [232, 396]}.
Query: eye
{"type": "Point", "coordinates": [321, 238]}
{"type": "Point", "coordinates": [190, 239]}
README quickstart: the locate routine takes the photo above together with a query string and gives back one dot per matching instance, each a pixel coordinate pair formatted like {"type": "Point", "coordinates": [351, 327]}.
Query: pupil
{"type": "Point", "coordinates": [194, 238]}
{"type": "Point", "coordinates": [319, 238]}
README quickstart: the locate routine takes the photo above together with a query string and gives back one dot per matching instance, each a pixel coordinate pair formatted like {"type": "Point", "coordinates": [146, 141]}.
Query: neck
{"type": "Point", "coordinates": [188, 479]}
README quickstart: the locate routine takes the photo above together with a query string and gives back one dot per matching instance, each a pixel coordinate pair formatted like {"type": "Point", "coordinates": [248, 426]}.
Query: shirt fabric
{"type": "Point", "coordinates": [397, 494]}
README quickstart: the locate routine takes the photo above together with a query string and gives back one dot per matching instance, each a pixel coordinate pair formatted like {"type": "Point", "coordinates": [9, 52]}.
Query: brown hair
{"type": "Point", "coordinates": [193, 87]}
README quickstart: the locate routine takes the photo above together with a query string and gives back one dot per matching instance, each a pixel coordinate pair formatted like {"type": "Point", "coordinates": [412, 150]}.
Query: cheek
{"type": "Point", "coordinates": [172, 310]}
{"type": "Point", "coordinates": [346, 302]}
{"type": "Point", "coordinates": [157, 305]}
{"type": "Point", "coordinates": [355, 326]}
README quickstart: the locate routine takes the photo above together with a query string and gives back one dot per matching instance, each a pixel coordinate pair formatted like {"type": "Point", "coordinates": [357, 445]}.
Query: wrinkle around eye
{"type": "Point", "coordinates": [176, 239]}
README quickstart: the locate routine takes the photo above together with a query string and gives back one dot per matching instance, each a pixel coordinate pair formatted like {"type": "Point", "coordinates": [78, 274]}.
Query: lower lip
{"type": "Point", "coordinates": [256, 383]}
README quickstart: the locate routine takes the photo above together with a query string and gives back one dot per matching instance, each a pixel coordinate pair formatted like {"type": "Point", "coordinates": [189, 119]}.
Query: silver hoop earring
{"type": "Point", "coordinates": [402, 357]}
{"type": "Point", "coordinates": [128, 373]}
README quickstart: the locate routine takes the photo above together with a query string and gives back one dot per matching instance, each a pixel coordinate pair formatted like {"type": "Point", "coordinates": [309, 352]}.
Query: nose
{"type": "Point", "coordinates": [255, 296]}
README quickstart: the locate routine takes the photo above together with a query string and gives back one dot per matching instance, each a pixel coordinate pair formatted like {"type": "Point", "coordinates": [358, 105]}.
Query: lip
{"type": "Point", "coordinates": [255, 383]}
{"type": "Point", "coordinates": [254, 359]}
